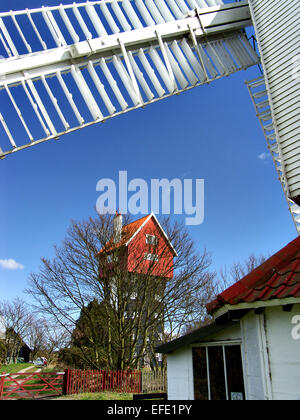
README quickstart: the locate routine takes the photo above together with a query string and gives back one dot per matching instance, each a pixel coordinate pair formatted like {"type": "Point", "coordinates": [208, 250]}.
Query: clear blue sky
{"type": "Point", "coordinates": [210, 132]}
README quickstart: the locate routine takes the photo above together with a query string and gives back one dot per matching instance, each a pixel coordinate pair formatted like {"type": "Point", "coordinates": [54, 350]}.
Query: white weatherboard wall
{"type": "Point", "coordinates": [180, 374]}
{"type": "Point", "coordinates": [271, 355]}
{"type": "Point", "coordinates": [277, 28]}
{"type": "Point", "coordinates": [284, 353]}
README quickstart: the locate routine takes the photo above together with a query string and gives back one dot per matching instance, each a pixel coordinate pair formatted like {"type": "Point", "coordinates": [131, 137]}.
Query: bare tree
{"type": "Point", "coordinates": [151, 299]}
{"type": "Point", "coordinates": [45, 338]}
{"type": "Point", "coordinates": [238, 270]}
{"type": "Point", "coordinates": [16, 320]}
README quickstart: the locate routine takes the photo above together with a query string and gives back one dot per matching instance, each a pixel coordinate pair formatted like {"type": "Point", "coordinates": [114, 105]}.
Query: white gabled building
{"type": "Point", "coordinates": [252, 349]}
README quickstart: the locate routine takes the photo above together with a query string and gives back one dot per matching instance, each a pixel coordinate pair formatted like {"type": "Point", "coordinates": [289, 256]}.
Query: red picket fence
{"type": "Point", "coordinates": [79, 381]}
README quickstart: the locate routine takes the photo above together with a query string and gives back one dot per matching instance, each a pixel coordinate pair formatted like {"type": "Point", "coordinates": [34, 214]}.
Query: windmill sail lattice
{"type": "Point", "coordinates": [66, 67]}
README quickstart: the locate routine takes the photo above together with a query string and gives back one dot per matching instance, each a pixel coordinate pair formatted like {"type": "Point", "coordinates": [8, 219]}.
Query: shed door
{"type": "Point", "coordinates": [218, 373]}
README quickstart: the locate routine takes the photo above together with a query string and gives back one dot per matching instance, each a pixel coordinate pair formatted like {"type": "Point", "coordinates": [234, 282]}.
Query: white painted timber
{"type": "Point", "coordinates": [277, 28]}
{"type": "Point", "coordinates": [70, 66]}
{"type": "Point", "coordinates": [284, 352]}
{"type": "Point", "coordinates": [180, 374]}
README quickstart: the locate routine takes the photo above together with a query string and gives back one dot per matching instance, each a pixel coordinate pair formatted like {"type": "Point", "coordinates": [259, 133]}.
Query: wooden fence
{"type": "Point", "coordinates": [153, 381]}
{"type": "Point", "coordinates": [40, 384]}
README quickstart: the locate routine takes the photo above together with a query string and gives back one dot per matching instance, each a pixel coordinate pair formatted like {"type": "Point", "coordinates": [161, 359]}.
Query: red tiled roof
{"type": "Point", "coordinates": [127, 232]}
{"type": "Point", "coordinates": [276, 278]}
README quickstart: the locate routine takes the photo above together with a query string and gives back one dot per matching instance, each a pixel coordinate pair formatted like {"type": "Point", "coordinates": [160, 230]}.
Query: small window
{"type": "Point", "coordinates": [158, 357]}
{"type": "Point", "coordinates": [151, 257]}
{"type": "Point", "coordinates": [109, 258]}
{"type": "Point", "coordinates": [151, 239]}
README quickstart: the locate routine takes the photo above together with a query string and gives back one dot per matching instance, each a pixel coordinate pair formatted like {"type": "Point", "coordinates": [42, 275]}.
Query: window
{"type": "Point", "coordinates": [151, 257]}
{"type": "Point", "coordinates": [158, 357]}
{"type": "Point", "coordinates": [151, 239]}
{"type": "Point", "coordinates": [218, 373]}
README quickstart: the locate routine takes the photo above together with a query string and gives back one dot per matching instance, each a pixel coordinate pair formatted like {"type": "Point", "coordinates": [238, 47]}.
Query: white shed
{"type": "Point", "coordinates": [252, 349]}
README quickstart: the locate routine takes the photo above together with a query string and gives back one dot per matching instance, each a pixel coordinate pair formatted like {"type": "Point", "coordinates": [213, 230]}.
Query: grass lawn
{"type": "Point", "coordinates": [97, 396]}
{"type": "Point", "coordinates": [15, 367]}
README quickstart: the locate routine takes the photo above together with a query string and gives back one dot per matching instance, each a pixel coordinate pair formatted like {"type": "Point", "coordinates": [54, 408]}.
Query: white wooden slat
{"type": "Point", "coordinates": [100, 87]}
{"type": "Point", "coordinates": [184, 63]}
{"type": "Point", "coordinates": [163, 47]}
{"type": "Point", "coordinates": [151, 73]}
{"type": "Point", "coordinates": [164, 10]}
{"type": "Point", "coordinates": [126, 81]}
{"type": "Point", "coordinates": [175, 9]}
{"type": "Point", "coordinates": [140, 77]}
{"type": "Point", "coordinates": [120, 15]}
{"type": "Point", "coordinates": [55, 103]}
{"type": "Point", "coordinates": [165, 75]}
{"type": "Point", "coordinates": [59, 40]}
{"type": "Point", "coordinates": [81, 22]}
{"type": "Point", "coordinates": [86, 93]}
{"type": "Point", "coordinates": [18, 111]}
{"type": "Point", "coordinates": [8, 52]}
{"type": "Point", "coordinates": [27, 45]}
{"type": "Point", "coordinates": [98, 25]}
{"type": "Point", "coordinates": [113, 84]}
{"type": "Point", "coordinates": [7, 36]}
{"type": "Point", "coordinates": [144, 12]}
{"type": "Point", "coordinates": [197, 67]}
{"type": "Point", "coordinates": [136, 23]}
{"type": "Point", "coordinates": [111, 21]}
{"type": "Point", "coordinates": [36, 31]}
{"type": "Point", "coordinates": [69, 97]}
{"type": "Point", "coordinates": [41, 106]}
{"type": "Point", "coordinates": [36, 109]}
{"type": "Point", "coordinates": [69, 25]}
{"type": "Point", "coordinates": [6, 129]}
{"type": "Point", "coordinates": [154, 11]}
{"type": "Point", "coordinates": [176, 69]}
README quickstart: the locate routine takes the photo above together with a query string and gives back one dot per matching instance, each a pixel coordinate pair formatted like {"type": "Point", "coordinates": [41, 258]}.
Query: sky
{"type": "Point", "coordinates": [210, 132]}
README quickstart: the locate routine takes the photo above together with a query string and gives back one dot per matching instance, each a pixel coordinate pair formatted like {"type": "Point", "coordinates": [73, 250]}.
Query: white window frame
{"type": "Point", "coordinates": [151, 239]}
{"type": "Point", "coordinates": [150, 257]}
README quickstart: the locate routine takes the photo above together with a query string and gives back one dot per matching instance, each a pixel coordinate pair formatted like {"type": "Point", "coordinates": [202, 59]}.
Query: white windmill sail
{"type": "Point", "coordinates": [277, 27]}
{"type": "Point", "coordinates": [66, 67]}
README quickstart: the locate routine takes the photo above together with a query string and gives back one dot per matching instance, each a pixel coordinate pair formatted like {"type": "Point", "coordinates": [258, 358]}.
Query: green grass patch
{"type": "Point", "coordinates": [15, 367]}
{"type": "Point", "coordinates": [97, 396]}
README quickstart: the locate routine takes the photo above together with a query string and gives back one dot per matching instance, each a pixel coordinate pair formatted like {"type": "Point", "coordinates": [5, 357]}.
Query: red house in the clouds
{"type": "Point", "coordinates": [142, 245]}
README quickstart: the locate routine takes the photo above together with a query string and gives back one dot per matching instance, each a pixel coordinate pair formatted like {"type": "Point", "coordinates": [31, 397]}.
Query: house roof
{"type": "Point", "coordinates": [194, 337]}
{"type": "Point", "coordinates": [129, 231]}
{"type": "Point", "coordinates": [277, 278]}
